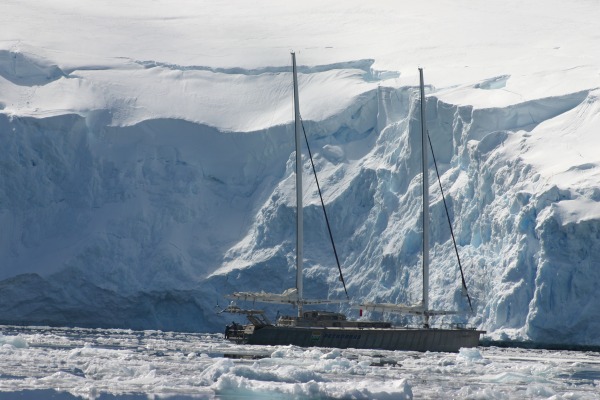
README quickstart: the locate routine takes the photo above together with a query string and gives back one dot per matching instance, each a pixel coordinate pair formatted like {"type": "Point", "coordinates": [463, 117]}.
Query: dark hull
{"type": "Point", "coordinates": [439, 340]}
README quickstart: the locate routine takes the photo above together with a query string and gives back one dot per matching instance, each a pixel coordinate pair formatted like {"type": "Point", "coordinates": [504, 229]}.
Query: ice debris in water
{"type": "Point", "coordinates": [155, 364]}
{"type": "Point", "coordinates": [469, 354]}
{"type": "Point", "coordinates": [14, 341]}
{"type": "Point", "coordinates": [333, 354]}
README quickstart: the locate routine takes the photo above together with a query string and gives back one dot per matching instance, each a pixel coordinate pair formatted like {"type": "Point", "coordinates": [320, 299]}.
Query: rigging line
{"type": "Point", "coordinates": [324, 212]}
{"type": "Point", "coordinates": [462, 275]}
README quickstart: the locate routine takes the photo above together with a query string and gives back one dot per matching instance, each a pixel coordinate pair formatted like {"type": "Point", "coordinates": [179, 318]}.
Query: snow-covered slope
{"type": "Point", "coordinates": [146, 166]}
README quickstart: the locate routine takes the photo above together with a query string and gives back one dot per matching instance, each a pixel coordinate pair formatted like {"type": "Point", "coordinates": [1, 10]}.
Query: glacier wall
{"type": "Point", "coordinates": [148, 225]}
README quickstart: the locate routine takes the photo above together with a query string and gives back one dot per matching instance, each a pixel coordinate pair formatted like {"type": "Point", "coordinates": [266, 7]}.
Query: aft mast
{"type": "Point", "coordinates": [423, 308]}
{"type": "Point", "coordinates": [299, 214]}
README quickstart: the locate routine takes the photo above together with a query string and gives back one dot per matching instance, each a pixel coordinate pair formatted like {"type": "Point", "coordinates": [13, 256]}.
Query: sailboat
{"type": "Point", "coordinates": [332, 329]}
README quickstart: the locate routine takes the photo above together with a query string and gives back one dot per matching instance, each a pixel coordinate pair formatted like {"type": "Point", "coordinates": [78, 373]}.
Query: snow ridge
{"type": "Point", "coordinates": [364, 65]}
{"type": "Point", "coordinates": [26, 69]}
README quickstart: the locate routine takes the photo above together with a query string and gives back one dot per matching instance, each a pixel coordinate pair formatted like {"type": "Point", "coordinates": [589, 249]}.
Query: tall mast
{"type": "Point", "coordinates": [424, 145]}
{"type": "Point", "coordinates": [299, 217]}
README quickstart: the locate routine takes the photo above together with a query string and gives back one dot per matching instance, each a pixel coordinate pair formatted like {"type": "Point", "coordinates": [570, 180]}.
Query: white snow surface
{"type": "Point", "coordinates": [146, 158]}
